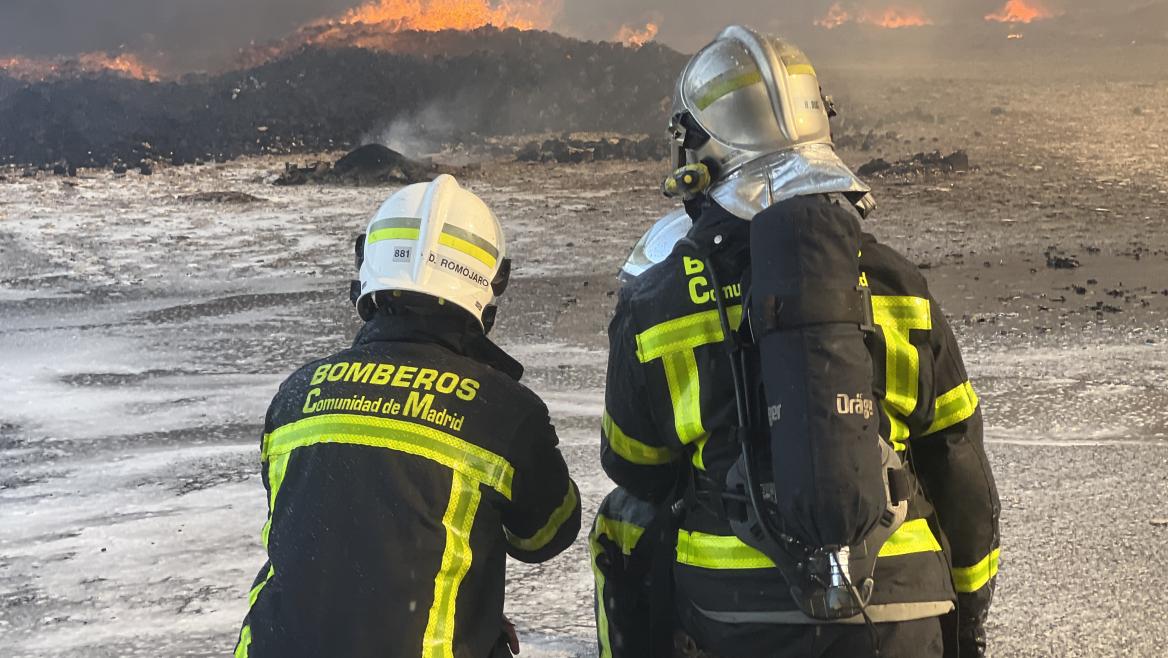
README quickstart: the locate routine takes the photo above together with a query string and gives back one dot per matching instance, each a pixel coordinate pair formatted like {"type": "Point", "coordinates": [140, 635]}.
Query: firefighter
{"type": "Point", "coordinates": [753, 144]}
{"type": "Point", "coordinates": [401, 472]}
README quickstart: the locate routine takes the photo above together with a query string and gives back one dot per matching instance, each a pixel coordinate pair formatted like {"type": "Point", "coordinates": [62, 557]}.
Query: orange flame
{"type": "Point", "coordinates": [434, 15]}
{"type": "Point", "coordinates": [124, 64]}
{"type": "Point", "coordinates": [1020, 11]}
{"type": "Point", "coordinates": [632, 37]}
{"type": "Point", "coordinates": [892, 17]}
{"type": "Point", "coordinates": [375, 24]}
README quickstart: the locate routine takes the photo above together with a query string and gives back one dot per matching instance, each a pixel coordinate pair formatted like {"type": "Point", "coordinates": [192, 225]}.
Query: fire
{"type": "Point", "coordinates": [434, 15]}
{"type": "Point", "coordinates": [835, 17]}
{"type": "Point", "coordinates": [635, 38]}
{"type": "Point", "coordinates": [123, 64]}
{"type": "Point", "coordinates": [376, 24]}
{"type": "Point", "coordinates": [892, 17]}
{"type": "Point", "coordinates": [1020, 11]}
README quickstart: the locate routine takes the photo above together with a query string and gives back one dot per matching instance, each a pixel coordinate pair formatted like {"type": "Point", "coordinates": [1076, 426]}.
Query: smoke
{"type": "Point", "coordinates": [419, 134]}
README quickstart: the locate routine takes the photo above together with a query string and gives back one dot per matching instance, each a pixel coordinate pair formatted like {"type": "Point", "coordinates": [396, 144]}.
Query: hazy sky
{"type": "Point", "coordinates": [198, 29]}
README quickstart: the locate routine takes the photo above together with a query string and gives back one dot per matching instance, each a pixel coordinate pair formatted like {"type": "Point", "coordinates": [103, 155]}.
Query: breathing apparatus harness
{"type": "Point", "coordinates": [827, 582]}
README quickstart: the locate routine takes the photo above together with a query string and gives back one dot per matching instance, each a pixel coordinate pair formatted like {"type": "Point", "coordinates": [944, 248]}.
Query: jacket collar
{"type": "Point", "coordinates": [460, 335]}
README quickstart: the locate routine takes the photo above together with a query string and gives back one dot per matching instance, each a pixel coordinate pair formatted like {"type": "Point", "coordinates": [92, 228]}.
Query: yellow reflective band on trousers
{"type": "Point", "coordinates": [674, 343]}
{"type": "Point", "coordinates": [630, 449]}
{"type": "Point", "coordinates": [970, 579]}
{"type": "Point", "coordinates": [399, 435]}
{"type": "Point", "coordinates": [547, 533]}
{"type": "Point", "coordinates": [438, 641]}
{"type": "Point", "coordinates": [698, 549]}
{"type": "Point", "coordinates": [954, 407]}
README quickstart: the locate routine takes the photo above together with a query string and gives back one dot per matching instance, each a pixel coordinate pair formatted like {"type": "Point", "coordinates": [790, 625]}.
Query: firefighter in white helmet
{"type": "Point", "coordinates": [401, 472]}
{"type": "Point", "coordinates": [737, 529]}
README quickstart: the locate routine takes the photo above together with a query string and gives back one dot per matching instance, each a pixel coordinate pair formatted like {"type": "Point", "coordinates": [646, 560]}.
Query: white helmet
{"type": "Point", "coordinates": [434, 239]}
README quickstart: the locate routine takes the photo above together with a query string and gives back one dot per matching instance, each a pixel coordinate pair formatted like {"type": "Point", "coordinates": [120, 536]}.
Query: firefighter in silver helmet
{"type": "Point", "coordinates": [674, 573]}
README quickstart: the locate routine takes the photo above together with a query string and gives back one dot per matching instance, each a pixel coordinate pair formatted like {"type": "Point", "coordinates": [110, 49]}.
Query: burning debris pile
{"type": "Point", "coordinates": [568, 150]}
{"type": "Point", "coordinates": [372, 164]}
{"type": "Point", "coordinates": [921, 164]}
{"type": "Point", "coordinates": [484, 82]}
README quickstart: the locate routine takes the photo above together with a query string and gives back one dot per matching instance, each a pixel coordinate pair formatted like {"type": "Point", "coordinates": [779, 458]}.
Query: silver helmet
{"type": "Point", "coordinates": [750, 110]}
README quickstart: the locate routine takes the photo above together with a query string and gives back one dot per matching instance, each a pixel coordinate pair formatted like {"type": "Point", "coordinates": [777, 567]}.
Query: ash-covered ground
{"type": "Point", "coordinates": [142, 336]}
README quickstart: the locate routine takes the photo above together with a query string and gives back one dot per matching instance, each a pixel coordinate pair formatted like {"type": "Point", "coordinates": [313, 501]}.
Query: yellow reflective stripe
{"type": "Point", "coordinates": [393, 234]}
{"type": "Point", "coordinates": [954, 407]}
{"type": "Point", "coordinates": [898, 433]}
{"type": "Point", "coordinates": [622, 533]}
{"type": "Point", "coordinates": [685, 391]}
{"type": "Point", "coordinates": [684, 333]}
{"type": "Point", "coordinates": [630, 449]}
{"type": "Point", "coordinates": [697, 549]}
{"type": "Point", "coordinates": [594, 549]}
{"type": "Point", "coordinates": [473, 250]}
{"type": "Point", "coordinates": [800, 69]}
{"type": "Point", "coordinates": [277, 469]}
{"type": "Point", "coordinates": [402, 436]}
{"type": "Point", "coordinates": [438, 641]}
{"type": "Point", "coordinates": [912, 537]}
{"type": "Point", "coordinates": [244, 644]}
{"type": "Point", "coordinates": [674, 343]}
{"type": "Point", "coordinates": [547, 533]}
{"type": "Point", "coordinates": [241, 649]}
{"type": "Point", "coordinates": [970, 579]}
{"type": "Point", "coordinates": [724, 86]}
{"type": "Point", "coordinates": [897, 316]}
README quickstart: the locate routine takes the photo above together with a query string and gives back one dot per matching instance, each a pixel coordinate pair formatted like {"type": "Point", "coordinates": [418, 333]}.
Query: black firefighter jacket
{"type": "Point", "coordinates": [670, 401]}
{"type": "Point", "coordinates": [400, 474]}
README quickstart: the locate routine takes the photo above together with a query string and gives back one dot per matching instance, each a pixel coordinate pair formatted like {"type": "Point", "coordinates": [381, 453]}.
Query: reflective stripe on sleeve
{"type": "Point", "coordinates": [970, 579]}
{"type": "Point", "coordinates": [622, 533]}
{"type": "Point", "coordinates": [547, 533]}
{"type": "Point", "coordinates": [399, 435]}
{"type": "Point", "coordinates": [630, 449]}
{"type": "Point", "coordinates": [954, 407]}
{"type": "Point", "coordinates": [438, 641]}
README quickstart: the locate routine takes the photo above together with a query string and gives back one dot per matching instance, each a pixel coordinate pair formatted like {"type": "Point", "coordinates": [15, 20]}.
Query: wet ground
{"type": "Point", "coordinates": [141, 338]}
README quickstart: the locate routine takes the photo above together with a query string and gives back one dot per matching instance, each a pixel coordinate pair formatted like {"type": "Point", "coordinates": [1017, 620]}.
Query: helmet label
{"type": "Point", "coordinates": [402, 254]}
{"type": "Point", "coordinates": [461, 270]}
